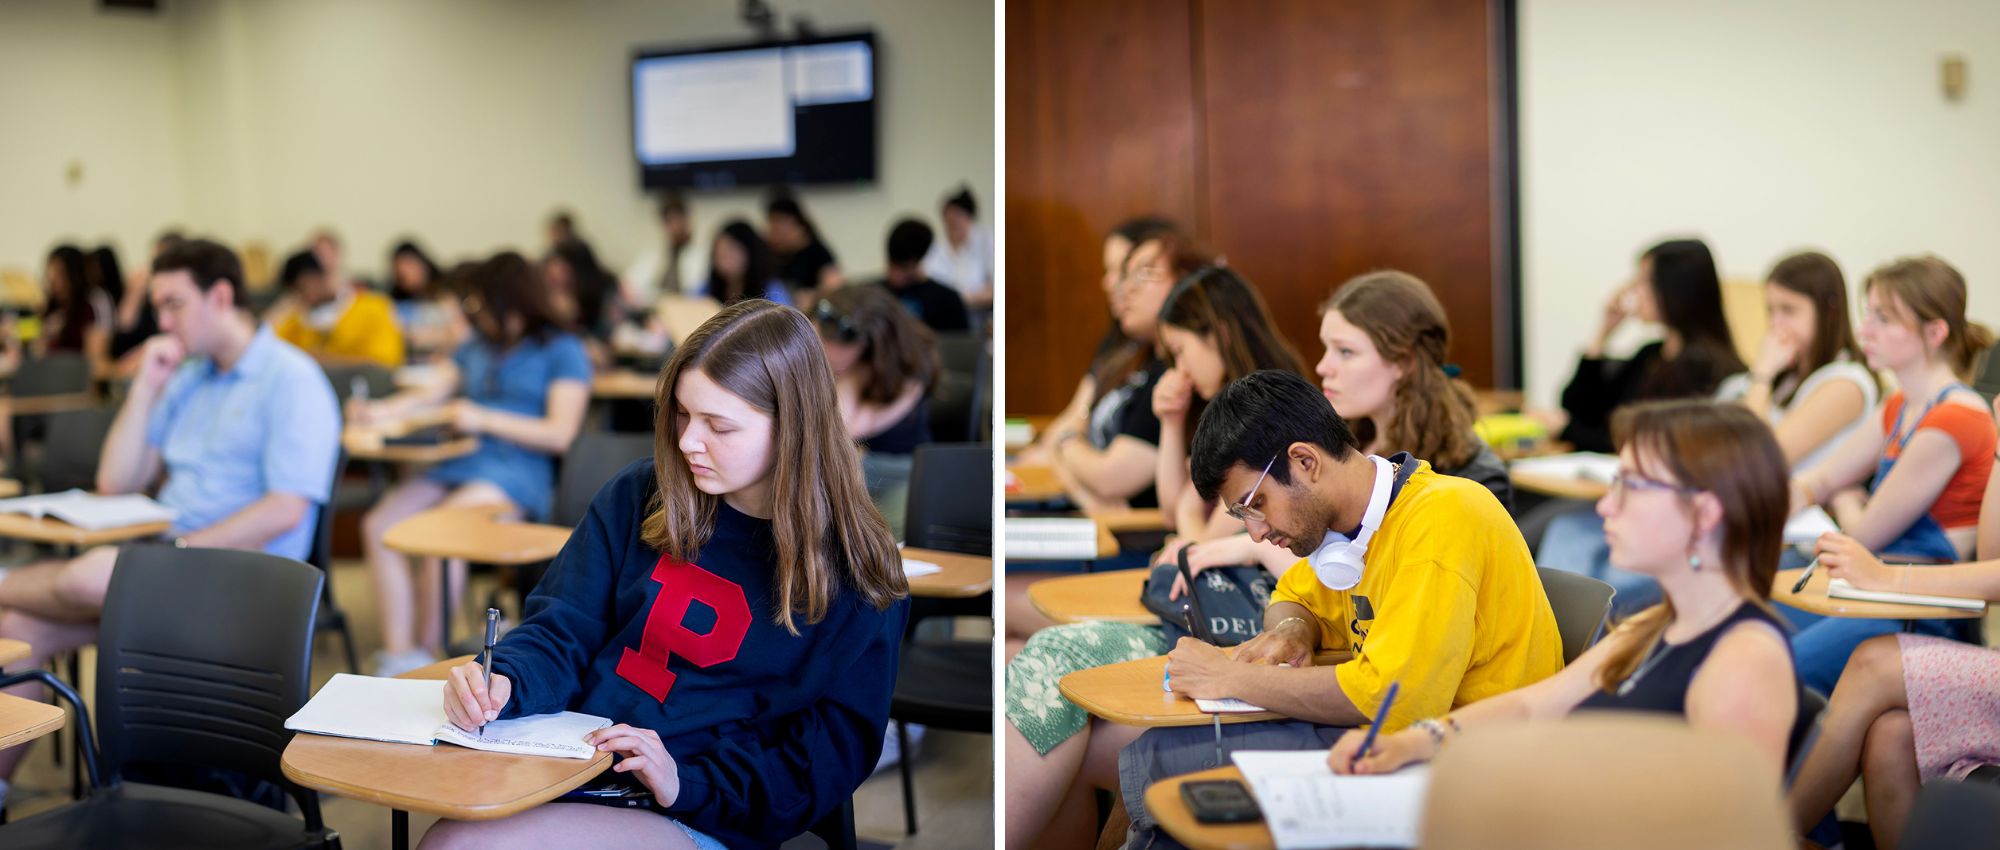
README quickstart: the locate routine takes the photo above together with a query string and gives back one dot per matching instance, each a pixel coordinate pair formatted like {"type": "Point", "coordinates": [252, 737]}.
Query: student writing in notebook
{"type": "Point", "coordinates": [1909, 708]}
{"type": "Point", "coordinates": [1422, 576]}
{"type": "Point", "coordinates": [1698, 504]}
{"type": "Point", "coordinates": [1925, 458]}
{"type": "Point", "coordinates": [734, 604]}
{"type": "Point", "coordinates": [244, 427]}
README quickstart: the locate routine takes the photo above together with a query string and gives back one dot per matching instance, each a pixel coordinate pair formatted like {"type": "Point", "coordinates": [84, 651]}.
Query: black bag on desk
{"type": "Point", "coordinates": [1233, 600]}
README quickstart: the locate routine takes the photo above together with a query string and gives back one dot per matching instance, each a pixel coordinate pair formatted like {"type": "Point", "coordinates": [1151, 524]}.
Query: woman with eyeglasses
{"type": "Point", "coordinates": [1698, 504]}
{"type": "Point", "coordinates": [524, 385]}
{"type": "Point", "coordinates": [885, 364]}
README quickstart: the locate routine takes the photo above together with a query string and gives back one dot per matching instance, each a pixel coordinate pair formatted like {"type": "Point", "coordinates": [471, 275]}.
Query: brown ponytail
{"type": "Point", "coordinates": [1931, 290]}
{"type": "Point", "coordinates": [1434, 412]}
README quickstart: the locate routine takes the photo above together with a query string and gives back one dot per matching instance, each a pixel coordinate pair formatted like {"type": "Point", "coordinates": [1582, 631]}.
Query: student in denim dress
{"type": "Point", "coordinates": [523, 386]}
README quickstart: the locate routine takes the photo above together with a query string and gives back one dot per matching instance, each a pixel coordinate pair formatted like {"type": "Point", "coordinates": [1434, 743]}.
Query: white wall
{"type": "Point", "coordinates": [96, 90]}
{"type": "Point", "coordinates": [465, 122]}
{"type": "Point", "coordinates": [1762, 127]}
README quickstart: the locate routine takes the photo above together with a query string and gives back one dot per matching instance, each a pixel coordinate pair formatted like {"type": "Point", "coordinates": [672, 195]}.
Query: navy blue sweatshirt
{"type": "Point", "coordinates": [770, 731]}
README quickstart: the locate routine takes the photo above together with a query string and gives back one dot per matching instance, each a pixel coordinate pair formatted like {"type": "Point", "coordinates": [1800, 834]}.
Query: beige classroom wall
{"type": "Point", "coordinates": [1762, 127]}
{"type": "Point", "coordinates": [90, 138]}
{"type": "Point", "coordinates": [465, 122]}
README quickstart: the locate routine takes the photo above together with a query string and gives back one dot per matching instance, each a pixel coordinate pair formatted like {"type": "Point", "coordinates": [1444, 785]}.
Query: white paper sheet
{"type": "Point", "coordinates": [1840, 589]}
{"type": "Point", "coordinates": [1805, 527]}
{"type": "Point", "coordinates": [91, 512]}
{"type": "Point", "coordinates": [559, 735]}
{"type": "Point", "coordinates": [1583, 466]}
{"type": "Point", "coordinates": [1226, 706]}
{"type": "Point", "coordinates": [1051, 538]}
{"type": "Point", "coordinates": [913, 568]}
{"type": "Point", "coordinates": [1307, 806]}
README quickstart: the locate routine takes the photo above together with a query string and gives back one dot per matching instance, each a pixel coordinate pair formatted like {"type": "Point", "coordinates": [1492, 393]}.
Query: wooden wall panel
{"type": "Point", "coordinates": [1100, 127]}
{"type": "Point", "coordinates": [1305, 140]}
{"type": "Point", "coordinates": [1349, 136]}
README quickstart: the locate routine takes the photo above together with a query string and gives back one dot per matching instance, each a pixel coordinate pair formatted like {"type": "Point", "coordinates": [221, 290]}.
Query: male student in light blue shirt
{"type": "Point", "coordinates": [244, 425]}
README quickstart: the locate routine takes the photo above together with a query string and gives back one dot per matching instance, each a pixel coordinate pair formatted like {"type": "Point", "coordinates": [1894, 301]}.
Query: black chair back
{"type": "Point", "coordinates": [56, 373]}
{"type": "Point", "coordinates": [1953, 816]}
{"type": "Point", "coordinates": [589, 464]}
{"type": "Point", "coordinates": [951, 498]}
{"type": "Point", "coordinates": [379, 381]}
{"type": "Point", "coordinates": [1582, 607]}
{"type": "Point", "coordinates": [71, 451]}
{"type": "Point", "coordinates": [202, 655]}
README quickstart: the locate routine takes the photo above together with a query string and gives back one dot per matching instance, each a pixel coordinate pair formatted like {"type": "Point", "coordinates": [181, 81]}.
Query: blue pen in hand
{"type": "Point", "coordinates": [1381, 714]}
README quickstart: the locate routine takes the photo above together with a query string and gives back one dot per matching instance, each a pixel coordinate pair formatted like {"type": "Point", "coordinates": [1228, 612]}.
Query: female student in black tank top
{"type": "Point", "coordinates": [1699, 504]}
{"type": "Point", "coordinates": [885, 363]}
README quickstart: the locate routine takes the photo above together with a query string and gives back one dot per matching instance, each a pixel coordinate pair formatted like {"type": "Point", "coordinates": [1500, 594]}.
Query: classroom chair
{"type": "Point", "coordinates": [1986, 378]}
{"type": "Point", "coordinates": [589, 464]}
{"type": "Point", "coordinates": [60, 373]}
{"type": "Point", "coordinates": [214, 696]}
{"type": "Point", "coordinates": [1812, 705]}
{"type": "Point", "coordinates": [943, 684]}
{"type": "Point", "coordinates": [74, 444]}
{"type": "Point", "coordinates": [379, 381]}
{"type": "Point", "coordinates": [1602, 779]}
{"type": "Point", "coordinates": [951, 498]}
{"type": "Point", "coordinates": [1582, 606]}
{"type": "Point", "coordinates": [331, 616]}
{"type": "Point", "coordinates": [961, 391]}
{"type": "Point", "coordinates": [1954, 816]}
{"type": "Point", "coordinates": [833, 832]}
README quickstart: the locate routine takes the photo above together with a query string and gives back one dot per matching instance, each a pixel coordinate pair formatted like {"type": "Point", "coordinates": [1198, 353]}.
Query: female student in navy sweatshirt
{"type": "Point", "coordinates": [734, 606]}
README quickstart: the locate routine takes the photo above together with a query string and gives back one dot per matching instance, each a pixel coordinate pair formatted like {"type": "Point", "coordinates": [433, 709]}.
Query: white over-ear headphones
{"type": "Point", "coordinates": [1337, 561]}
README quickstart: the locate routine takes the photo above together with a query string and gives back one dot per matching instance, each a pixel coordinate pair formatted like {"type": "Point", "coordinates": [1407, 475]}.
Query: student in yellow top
{"type": "Point", "coordinates": [1423, 576]}
{"type": "Point", "coordinates": [335, 321]}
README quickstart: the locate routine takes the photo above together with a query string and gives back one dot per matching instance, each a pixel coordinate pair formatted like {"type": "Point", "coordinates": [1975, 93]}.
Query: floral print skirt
{"type": "Point", "coordinates": [1036, 706]}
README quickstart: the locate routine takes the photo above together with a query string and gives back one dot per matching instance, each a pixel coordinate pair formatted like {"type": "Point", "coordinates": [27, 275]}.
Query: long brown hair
{"type": "Point", "coordinates": [1931, 290]}
{"type": "Point", "coordinates": [507, 286]}
{"type": "Point", "coordinates": [1218, 302]}
{"type": "Point", "coordinates": [824, 525]}
{"type": "Point", "coordinates": [1434, 411]}
{"type": "Point", "coordinates": [1717, 448]}
{"type": "Point", "coordinates": [896, 348]}
{"type": "Point", "coordinates": [1816, 276]}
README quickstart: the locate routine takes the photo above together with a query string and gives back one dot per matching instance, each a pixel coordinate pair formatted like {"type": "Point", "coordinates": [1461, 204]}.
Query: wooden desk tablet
{"type": "Point", "coordinates": [1111, 597]}
{"type": "Point", "coordinates": [9, 488]}
{"type": "Point", "coordinates": [34, 405]}
{"type": "Point", "coordinates": [1557, 486]}
{"type": "Point", "coordinates": [476, 534]}
{"type": "Point", "coordinates": [963, 577]}
{"type": "Point", "coordinates": [363, 444]}
{"type": "Point", "coordinates": [1036, 483]}
{"type": "Point", "coordinates": [444, 780]}
{"type": "Point", "coordinates": [1164, 803]}
{"type": "Point", "coordinates": [1129, 692]}
{"type": "Point", "coordinates": [624, 383]}
{"type": "Point", "coordinates": [1813, 600]}
{"type": "Point", "coordinates": [54, 531]}
{"type": "Point", "coordinates": [23, 720]}
{"type": "Point", "coordinates": [11, 651]}
{"type": "Point", "coordinates": [1132, 520]}
{"type": "Point", "coordinates": [683, 314]}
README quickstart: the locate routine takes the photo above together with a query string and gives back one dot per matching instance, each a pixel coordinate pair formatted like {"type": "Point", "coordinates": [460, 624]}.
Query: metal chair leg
{"type": "Point", "coordinates": [909, 786]}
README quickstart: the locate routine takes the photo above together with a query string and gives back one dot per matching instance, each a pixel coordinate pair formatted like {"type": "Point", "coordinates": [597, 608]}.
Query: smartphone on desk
{"type": "Point", "coordinates": [608, 789]}
{"type": "Point", "coordinates": [1220, 801]}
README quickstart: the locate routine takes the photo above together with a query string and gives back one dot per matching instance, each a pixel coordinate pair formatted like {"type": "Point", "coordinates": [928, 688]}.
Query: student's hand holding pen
{"type": "Point", "coordinates": [1388, 754]}
{"type": "Point", "coordinates": [468, 703]}
{"type": "Point", "coordinates": [641, 752]}
{"type": "Point", "coordinates": [1198, 670]}
{"type": "Point", "coordinates": [1844, 557]}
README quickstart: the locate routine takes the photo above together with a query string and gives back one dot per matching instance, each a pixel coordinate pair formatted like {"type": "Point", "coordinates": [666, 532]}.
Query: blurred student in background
{"type": "Point", "coordinates": [963, 259]}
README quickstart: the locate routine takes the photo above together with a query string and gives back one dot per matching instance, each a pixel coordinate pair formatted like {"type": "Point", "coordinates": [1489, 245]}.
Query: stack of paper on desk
{"type": "Point", "coordinates": [1840, 589]}
{"type": "Point", "coordinates": [91, 512]}
{"type": "Point", "coordinates": [1306, 805]}
{"type": "Point", "coordinates": [1051, 538]}
{"type": "Point", "coordinates": [411, 711]}
{"type": "Point", "coordinates": [1580, 466]}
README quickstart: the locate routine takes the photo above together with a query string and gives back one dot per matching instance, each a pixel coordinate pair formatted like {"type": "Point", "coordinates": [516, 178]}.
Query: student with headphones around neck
{"type": "Point", "coordinates": [1399, 564]}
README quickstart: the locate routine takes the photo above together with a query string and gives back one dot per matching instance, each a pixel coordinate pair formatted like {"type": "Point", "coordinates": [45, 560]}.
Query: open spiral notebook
{"type": "Point", "coordinates": [411, 711]}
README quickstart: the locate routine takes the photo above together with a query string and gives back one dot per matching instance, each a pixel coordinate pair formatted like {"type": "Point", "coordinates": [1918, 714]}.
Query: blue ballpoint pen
{"type": "Point", "coordinates": [1381, 714]}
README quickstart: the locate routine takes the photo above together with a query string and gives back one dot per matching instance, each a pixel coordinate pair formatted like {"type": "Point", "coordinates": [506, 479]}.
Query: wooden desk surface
{"type": "Point", "coordinates": [32, 405]}
{"type": "Point", "coordinates": [476, 534]}
{"type": "Point", "coordinates": [9, 488]}
{"type": "Point", "coordinates": [1093, 597]}
{"type": "Point", "coordinates": [964, 576]}
{"type": "Point", "coordinates": [624, 383]}
{"type": "Point", "coordinates": [1163, 802]}
{"type": "Point", "coordinates": [1132, 520]}
{"type": "Point", "coordinates": [1813, 599]}
{"type": "Point", "coordinates": [1559, 487]}
{"type": "Point", "coordinates": [683, 314]}
{"type": "Point", "coordinates": [365, 444]}
{"type": "Point", "coordinates": [1129, 692]}
{"type": "Point", "coordinates": [23, 720]}
{"type": "Point", "coordinates": [443, 780]}
{"type": "Point", "coordinates": [1033, 483]}
{"type": "Point", "coordinates": [55, 531]}
{"type": "Point", "coordinates": [11, 651]}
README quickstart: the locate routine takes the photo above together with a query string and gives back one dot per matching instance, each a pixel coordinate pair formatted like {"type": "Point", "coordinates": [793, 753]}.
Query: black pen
{"type": "Point", "coordinates": [1805, 577]}
{"type": "Point", "coordinates": [492, 626]}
